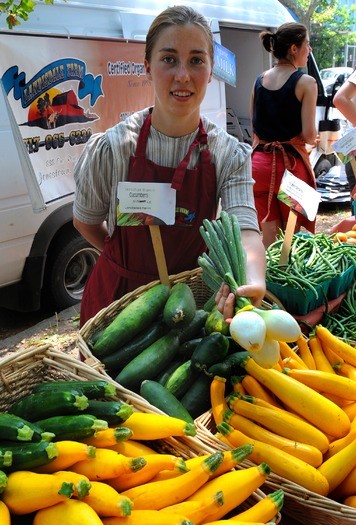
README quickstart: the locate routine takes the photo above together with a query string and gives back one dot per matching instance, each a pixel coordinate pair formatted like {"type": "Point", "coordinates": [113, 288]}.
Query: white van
{"type": "Point", "coordinates": [76, 68]}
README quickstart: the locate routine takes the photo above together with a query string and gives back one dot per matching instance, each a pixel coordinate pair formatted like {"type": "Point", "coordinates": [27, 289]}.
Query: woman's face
{"type": "Point", "coordinates": [302, 53]}
{"type": "Point", "coordinates": [180, 69]}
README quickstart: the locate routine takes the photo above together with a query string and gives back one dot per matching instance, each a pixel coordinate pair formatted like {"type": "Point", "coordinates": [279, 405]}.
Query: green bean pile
{"type": "Point", "coordinates": [343, 322]}
{"type": "Point", "coordinates": [312, 261]}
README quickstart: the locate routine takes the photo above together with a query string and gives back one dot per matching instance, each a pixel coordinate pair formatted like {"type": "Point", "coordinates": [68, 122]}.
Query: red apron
{"type": "Point", "coordinates": [128, 259]}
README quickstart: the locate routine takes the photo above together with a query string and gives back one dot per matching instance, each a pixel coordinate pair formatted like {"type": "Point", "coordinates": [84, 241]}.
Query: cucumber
{"type": "Point", "coordinates": [29, 455]}
{"type": "Point", "coordinates": [163, 376]}
{"type": "Point", "coordinates": [197, 398]}
{"type": "Point", "coordinates": [114, 412]}
{"type": "Point", "coordinates": [228, 367]}
{"type": "Point", "coordinates": [72, 427]}
{"type": "Point", "coordinates": [132, 319]}
{"type": "Point", "coordinates": [149, 363]}
{"type": "Point", "coordinates": [194, 328]}
{"type": "Point", "coordinates": [186, 349]}
{"type": "Point", "coordinates": [116, 361]}
{"type": "Point", "coordinates": [181, 379]}
{"type": "Point", "coordinates": [46, 404]}
{"type": "Point", "coordinates": [180, 306]}
{"type": "Point", "coordinates": [15, 428]}
{"type": "Point", "coordinates": [161, 398]}
{"type": "Point", "coordinates": [212, 349]}
{"type": "Point", "coordinates": [91, 389]}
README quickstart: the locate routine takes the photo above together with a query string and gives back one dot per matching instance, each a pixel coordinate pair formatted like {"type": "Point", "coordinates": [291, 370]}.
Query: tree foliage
{"type": "Point", "coordinates": [19, 11]}
{"type": "Point", "coordinates": [329, 25]}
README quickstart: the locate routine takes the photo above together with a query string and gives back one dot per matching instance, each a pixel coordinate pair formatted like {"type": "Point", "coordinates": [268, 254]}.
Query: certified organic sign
{"type": "Point", "coordinates": [145, 203]}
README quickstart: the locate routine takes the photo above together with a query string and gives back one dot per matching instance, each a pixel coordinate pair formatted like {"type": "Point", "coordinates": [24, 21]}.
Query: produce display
{"type": "Point", "coordinates": [320, 267]}
{"type": "Point", "coordinates": [299, 414]}
{"type": "Point", "coordinates": [74, 468]}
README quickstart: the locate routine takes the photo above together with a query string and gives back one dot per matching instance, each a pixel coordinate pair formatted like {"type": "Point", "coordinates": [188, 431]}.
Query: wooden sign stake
{"type": "Point", "coordinates": [159, 253]}
{"type": "Point", "coordinates": [288, 236]}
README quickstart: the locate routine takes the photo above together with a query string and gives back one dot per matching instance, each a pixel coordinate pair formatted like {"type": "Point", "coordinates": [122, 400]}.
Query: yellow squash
{"type": "Point", "coordinates": [281, 463]}
{"type": "Point", "coordinates": [69, 452]}
{"type": "Point", "coordinates": [158, 426]}
{"type": "Point", "coordinates": [149, 517]}
{"type": "Point", "coordinates": [281, 422]}
{"type": "Point", "coordinates": [325, 382]}
{"type": "Point", "coordinates": [197, 511]}
{"type": "Point", "coordinates": [154, 464]}
{"type": "Point", "coordinates": [337, 467]}
{"type": "Point", "coordinates": [236, 486]}
{"type": "Point", "coordinates": [321, 412]}
{"type": "Point", "coordinates": [303, 451]}
{"type": "Point", "coordinates": [69, 512]}
{"type": "Point", "coordinates": [106, 501]}
{"type": "Point", "coordinates": [28, 491]}
{"type": "Point", "coordinates": [5, 518]}
{"type": "Point", "coordinates": [264, 510]}
{"type": "Point", "coordinates": [159, 494]}
{"type": "Point", "coordinates": [107, 464]}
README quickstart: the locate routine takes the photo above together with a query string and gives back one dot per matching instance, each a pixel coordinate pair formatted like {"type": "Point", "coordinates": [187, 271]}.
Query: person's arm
{"type": "Point", "coordinates": [95, 234]}
{"type": "Point", "coordinates": [307, 92]}
{"type": "Point", "coordinates": [345, 101]}
{"type": "Point", "coordinates": [255, 288]}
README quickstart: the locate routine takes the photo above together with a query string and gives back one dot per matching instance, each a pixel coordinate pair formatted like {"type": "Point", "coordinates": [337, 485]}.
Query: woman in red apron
{"type": "Point", "coordinates": [168, 143]}
{"type": "Point", "coordinates": [283, 110]}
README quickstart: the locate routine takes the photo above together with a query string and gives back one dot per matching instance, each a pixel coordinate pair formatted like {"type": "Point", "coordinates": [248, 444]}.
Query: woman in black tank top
{"type": "Point", "coordinates": [283, 106]}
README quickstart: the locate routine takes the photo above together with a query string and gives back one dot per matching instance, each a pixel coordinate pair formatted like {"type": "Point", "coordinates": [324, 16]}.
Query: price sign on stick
{"type": "Point", "coordinates": [301, 198]}
{"type": "Point", "coordinates": [148, 204]}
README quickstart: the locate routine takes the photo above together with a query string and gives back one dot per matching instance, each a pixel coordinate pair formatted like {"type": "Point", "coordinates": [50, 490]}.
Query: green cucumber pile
{"type": "Point", "coordinates": [56, 411]}
{"type": "Point", "coordinates": [170, 360]}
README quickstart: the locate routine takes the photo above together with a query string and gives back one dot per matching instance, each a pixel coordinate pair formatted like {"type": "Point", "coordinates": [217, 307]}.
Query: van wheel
{"type": "Point", "coordinates": [69, 263]}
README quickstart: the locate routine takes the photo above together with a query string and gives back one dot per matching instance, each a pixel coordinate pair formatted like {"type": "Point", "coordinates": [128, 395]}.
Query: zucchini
{"type": "Point", "coordinates": [197, 398]}
{"type": "Point", "coordinates": [212, 349]}
{"type": "Point", "coordinates": [15, 428]}
{"type": "Point", "coordinates": [228, 367]}
{"type": "Point", "coordinates": [149, 363]}
{"type": "Point", "coordinates": [216, 323]}
{"type": "Point", "coordinates": [161, 398]}
{"type": "Point", "coordinates": [5, 458]}
{"type": "Point", "coordinates": [116, 361]}
{"type": "Point", "coordinates": [181, 379]}
{"type": "Point", "coordinates": [114, 412]}
{"type": "Point", "coordinates": [29, 455]}
{"type": "Point", "coordinates": [194, 328]}
{"type": "Point", "coordinates": [72, 427]}
{"type": "Point", "coordinates": [41, 405]}
{"type": "Point", "coordinates": [3, 481]}
{"type": "Point", "coordinates": [131, 320]}
{"type": "Point", "coordinates": [180, 306]}
{"type": "Point", "coordinates": [91, 389]}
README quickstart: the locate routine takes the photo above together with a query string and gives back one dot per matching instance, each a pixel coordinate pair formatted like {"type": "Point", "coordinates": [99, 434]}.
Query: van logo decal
{"type": "Point", "coordinates": [53, 74]}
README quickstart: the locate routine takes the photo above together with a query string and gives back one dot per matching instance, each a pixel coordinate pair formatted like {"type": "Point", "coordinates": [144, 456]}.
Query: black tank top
{"type": "Point", "coordinates": [277, 113]}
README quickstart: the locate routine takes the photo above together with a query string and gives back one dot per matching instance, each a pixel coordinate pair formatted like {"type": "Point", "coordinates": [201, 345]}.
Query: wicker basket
{"type": "Point", "coordinates": [103, 318]}
{"type": "Point", "coordinates": [300, 504]}
{"type": "Point", "coordinates": [19, 374]}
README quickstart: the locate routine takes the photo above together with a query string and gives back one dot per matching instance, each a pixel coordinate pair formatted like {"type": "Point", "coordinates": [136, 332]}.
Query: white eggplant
{"type": "Point", "coordinates": [280, 325]}
{"type": "Point", "coordinates": [269, 354]}
{"type": "Point", "coordinates": [248, 329]}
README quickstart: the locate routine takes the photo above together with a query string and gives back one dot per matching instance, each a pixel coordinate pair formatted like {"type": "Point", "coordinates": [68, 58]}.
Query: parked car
{"type": "Point", "coordinates": [330, 74]}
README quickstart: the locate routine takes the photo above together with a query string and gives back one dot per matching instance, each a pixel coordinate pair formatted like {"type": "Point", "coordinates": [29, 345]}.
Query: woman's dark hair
{"type": "Point", "coordinates": [286, 35]}
{"type": "Point", "coordinates": [179, 15]}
